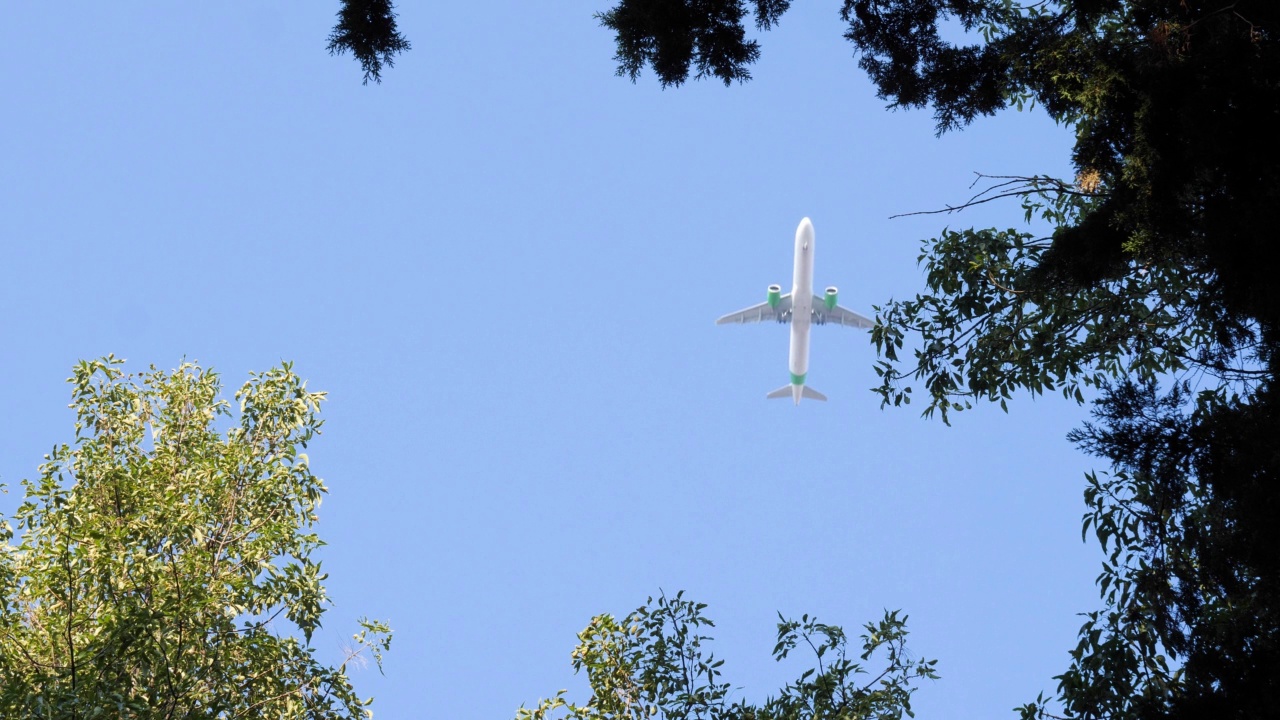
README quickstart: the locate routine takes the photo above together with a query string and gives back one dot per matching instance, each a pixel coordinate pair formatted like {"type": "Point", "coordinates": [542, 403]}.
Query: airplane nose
{"type": "Point", "coordinates": [804, 234]}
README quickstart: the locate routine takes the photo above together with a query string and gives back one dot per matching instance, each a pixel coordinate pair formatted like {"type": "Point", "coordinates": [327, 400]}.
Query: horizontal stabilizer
{"type": "Point", "coordinates": [784, 391]}
{"type": "Point", "coordinates": [796, 392]}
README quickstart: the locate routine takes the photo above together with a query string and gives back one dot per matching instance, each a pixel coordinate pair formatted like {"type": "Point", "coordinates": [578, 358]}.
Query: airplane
{"type": "Point", "coordinates": [801, 308]}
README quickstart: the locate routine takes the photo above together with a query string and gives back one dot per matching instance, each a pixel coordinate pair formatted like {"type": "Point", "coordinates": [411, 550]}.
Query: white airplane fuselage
{"type": "Point", "coordinates": [801, 308]}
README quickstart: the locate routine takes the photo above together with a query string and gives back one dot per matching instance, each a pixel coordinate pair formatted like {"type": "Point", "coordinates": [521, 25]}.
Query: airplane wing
{"type": "Point", "coordinates": [838, 315]}
{"type": "Point", "coordinates": [758, 313]}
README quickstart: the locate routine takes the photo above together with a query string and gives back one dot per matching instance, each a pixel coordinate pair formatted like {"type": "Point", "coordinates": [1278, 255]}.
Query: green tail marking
{"type": "Point", "coordinates": [798, 379]}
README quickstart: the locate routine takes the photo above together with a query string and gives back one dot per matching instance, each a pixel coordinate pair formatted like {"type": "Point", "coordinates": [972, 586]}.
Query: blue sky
{"type": "Point", "coordinates": [504, 264]}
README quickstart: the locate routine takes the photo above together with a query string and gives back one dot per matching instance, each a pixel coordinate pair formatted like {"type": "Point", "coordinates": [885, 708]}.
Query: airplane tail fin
{"type": "Point", "coordinates": [796, 392]}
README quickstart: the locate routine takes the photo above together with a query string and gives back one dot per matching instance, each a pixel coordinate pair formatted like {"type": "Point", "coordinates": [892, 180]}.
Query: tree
{"type": "Point", "coordinates": [1153, 294]}
{"type": "Point", "coordinates": [672, 35]}
{"type": "Point", "coordinates": [163, 568]}
{"type": "Point", "coordinates": [367, 29]}
{"type": "Point", "coordinates": [654, 664]}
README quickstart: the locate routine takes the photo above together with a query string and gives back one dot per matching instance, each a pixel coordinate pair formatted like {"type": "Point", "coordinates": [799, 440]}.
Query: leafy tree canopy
{"type": "Point", "coordinates": [162, 568]}
{"type": "Point", "coordinates": [1153, 294]}
{"type": "Point", "coordinates": [655, 664]}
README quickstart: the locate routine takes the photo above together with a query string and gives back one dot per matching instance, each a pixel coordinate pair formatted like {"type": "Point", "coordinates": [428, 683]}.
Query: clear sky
{"type": "Point", "coordinates": [504, 264]}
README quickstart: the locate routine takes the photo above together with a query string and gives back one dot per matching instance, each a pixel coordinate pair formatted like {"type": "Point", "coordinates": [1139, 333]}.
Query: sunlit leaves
{"type": "Point", "coordinates": [991, 323]}
{"type": "Point", "coordinates": [656, 663]}
{"type": "Point", "coordinates": [163, 565]}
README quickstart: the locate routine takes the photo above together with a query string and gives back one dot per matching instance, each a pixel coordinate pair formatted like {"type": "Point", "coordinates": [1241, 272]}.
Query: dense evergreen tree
{"type": "Point", "coordinates": [1155, 289]}
{"type": "Point", "coordinates": [367, 29]}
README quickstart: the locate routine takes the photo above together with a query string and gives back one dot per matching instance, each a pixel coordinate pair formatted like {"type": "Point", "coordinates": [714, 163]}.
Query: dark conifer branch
{"type": "Point", "coordinates": [367, 28]}
{"type": "Point", "coordinates": [677, 37]}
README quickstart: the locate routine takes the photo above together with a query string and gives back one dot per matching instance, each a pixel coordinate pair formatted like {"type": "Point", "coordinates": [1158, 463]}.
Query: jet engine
{"type": "Point", "coordinates": [775, 295]}
{"type": "Point", "coordinates": [830, 297]}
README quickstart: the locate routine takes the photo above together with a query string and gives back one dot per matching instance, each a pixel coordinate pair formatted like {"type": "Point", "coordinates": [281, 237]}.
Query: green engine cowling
{"type": "Point", "coordinates": [775, 295]}
{"type": "Point", "coordinates": [829, 299]}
